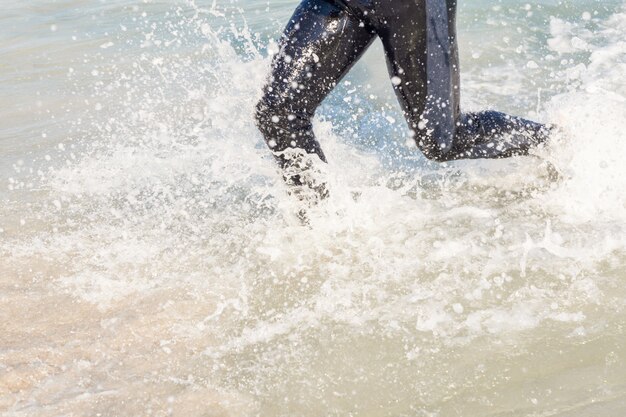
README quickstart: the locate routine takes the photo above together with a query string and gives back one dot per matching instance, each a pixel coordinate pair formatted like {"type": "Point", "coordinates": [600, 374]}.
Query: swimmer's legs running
{"type": "Point", "coordinates": [325, 38]}
{"type": "Point", "coordinates": [319, 46]}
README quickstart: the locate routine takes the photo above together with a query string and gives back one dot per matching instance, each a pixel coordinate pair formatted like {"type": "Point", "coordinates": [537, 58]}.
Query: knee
{"type": "Point", "coordinates": [267, 118]}
{"type": "Point", "coordinates": [281, 124]}
{"type": "Point", "coordinates": [433, 150]}
{"type": "Point", "coordinates": [271, 115]}
{"type": "Point", "coordinates": [434, 140]}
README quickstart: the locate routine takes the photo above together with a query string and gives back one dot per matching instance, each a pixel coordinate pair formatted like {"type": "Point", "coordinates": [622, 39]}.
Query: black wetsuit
{"type": "Point", "coordinates": [325, 38]}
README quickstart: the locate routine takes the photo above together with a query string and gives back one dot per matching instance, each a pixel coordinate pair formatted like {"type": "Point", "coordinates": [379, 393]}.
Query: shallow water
{"type": "Point", "coordinates": [151, 264]}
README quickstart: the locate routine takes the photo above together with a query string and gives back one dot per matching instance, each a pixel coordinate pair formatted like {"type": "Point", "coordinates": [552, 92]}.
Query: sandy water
{"type": "Point", "coordinates": [150, 262]}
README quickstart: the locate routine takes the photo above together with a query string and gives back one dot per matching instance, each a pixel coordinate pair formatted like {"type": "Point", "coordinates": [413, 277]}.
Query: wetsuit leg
{"type": "Point", "coordinates": [320, 44]}
{"type": "Point", "coordinates": [422, 54]}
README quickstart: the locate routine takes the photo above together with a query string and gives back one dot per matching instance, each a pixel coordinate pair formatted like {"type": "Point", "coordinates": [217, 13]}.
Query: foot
{"type": "Point", "coordinates": [305, 180]}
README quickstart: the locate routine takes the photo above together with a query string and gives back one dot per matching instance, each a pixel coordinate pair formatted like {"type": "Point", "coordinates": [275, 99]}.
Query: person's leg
{"type": "Point", "coordinates": [422, 55]}
{"type": "Point", "coordinates": [492, 134]}
{"type": "Point", "coordinates": [319, 46]}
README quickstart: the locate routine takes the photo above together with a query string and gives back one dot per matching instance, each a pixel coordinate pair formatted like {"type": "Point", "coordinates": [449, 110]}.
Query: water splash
{"type": "Point", "coordinates": [415, 290]}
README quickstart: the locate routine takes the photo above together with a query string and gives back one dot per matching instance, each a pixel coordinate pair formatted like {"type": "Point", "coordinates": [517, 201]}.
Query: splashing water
{"type": "Point", "coordinates": [151, 262]}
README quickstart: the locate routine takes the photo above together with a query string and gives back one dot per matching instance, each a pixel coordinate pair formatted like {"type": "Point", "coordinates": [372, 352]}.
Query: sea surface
{"type": "Point", "coordinates": [151, 263]}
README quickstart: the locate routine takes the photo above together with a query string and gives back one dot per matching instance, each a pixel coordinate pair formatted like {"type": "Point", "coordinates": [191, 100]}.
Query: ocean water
{"type": "Point", "coordinates": [151, 263]}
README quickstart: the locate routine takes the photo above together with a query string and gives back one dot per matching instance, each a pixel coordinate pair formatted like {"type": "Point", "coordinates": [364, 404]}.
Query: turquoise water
{"type": "Point", "coordinates": [151, 262]}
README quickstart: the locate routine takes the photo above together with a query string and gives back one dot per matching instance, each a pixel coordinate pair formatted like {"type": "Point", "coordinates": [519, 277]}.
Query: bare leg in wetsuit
{"type": "Point", "coordinates": [325, 38]}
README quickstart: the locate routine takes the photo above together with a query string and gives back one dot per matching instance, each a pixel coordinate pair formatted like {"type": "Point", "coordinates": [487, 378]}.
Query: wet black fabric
{"type": "Point", "coordinates": [325, 38]}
